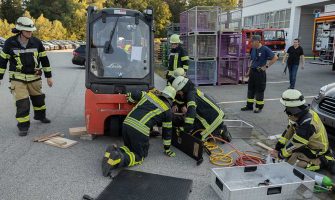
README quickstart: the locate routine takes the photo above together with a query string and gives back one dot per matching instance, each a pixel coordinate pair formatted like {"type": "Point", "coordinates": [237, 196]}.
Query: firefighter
{"type": "Point", "coordinates": [178, 57]}
{"type": "Point", "coordinates": [257, 75]}
{"type": "Point", "coordinates": [201, 113]}
{"type": "Point", "coordinates": [25, 53]}
{"type": "Point", "coordinates": [150, 110]}
{"type": "Point", "coordinates": [305, 142]}
{"type": "Point", "coordinates": [177, 72]}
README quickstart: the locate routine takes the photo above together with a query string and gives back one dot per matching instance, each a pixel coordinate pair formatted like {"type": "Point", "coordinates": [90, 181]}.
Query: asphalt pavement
{"type": "Point", "coordinates": [31, 170]}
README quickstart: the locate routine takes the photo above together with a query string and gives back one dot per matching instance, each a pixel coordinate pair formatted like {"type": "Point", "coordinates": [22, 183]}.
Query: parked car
{"type": "Point", "coordinates": [46, 46]}
{"type": "Point", "coordinates": [324, 105]}
{"type": "Point", "coordinates": [79, 55]}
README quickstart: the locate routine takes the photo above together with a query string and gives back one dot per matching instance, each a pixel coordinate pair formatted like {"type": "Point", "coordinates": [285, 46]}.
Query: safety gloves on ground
{"type": "Point", "coordinates": [170, 153]}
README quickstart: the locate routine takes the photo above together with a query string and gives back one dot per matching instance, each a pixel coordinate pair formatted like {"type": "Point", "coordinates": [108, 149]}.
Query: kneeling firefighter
{"type": "Point", "coordinates": [150, 110]}
{"type": "Point", "coordinates": [305, 142]}
{"type": "Point", "coordinates": [201, 113]}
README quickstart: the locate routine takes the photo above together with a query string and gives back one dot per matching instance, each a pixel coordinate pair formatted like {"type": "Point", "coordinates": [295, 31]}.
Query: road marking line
{"type": "Point", "coordinates": [274, 82]}
{"type": "Point", "coordinates": [242, 101]}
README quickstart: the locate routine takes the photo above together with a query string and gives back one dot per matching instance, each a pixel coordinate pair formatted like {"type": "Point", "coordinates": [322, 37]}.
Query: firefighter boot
{"type": "Point", "coordinates": [112, 159]}
{"type": "Point", "coordinates": [225, 134]}
{"type": "Point", "coordinates": [23, 131]}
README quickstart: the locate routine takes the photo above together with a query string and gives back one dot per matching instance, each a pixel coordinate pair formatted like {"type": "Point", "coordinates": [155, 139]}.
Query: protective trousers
{"type": "Point", "coordinates": [256, 88]}
{"type": "Point", "coordinates": [21, 92]}
{"type": "Point", "coordinates": [309, 161]}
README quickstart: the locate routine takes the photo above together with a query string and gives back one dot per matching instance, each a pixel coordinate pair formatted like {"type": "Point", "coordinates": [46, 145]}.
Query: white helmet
{"type": "Point", "coordinates": [25, 24]}
{"type": "Point", "coordinates": [174, 39]}
{"type": "Point", "coordinates": [292, 98]}
{"type": "Point", "coordinates": [169, 92]}
{"type": "Point", "coordinates": [179, 83]}
{"type": "Point", "coordinates": [179, 72]}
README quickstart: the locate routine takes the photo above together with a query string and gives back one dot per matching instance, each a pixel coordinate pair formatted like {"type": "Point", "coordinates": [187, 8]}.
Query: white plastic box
{"type": "Point", "coordinates": [245, 183]}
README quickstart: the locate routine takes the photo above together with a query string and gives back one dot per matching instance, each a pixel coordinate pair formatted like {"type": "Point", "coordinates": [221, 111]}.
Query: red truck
{"type": "Point", "coordinates": [273, 38]}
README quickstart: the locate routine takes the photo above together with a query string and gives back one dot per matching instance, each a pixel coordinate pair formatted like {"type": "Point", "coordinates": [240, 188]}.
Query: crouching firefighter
{"type": "Point", "coordinates": [25, 53]}
{"type": "Point", "coordinates": [305, 142]}
{"type": "Point", "coordinates": [150, 110]}
{"type": "Point", "coordinates": [201, 113]}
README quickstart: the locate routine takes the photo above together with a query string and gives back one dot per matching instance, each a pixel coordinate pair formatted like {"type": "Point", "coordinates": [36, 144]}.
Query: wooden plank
{"type": "Point", "coordinates": [264, 146]}
{"type": "Point", "coordinates": [43, 138]}
{"type": "Point", "coordinates": [66, 143]}
{"type": "Point", "coordinates": [77, 131]}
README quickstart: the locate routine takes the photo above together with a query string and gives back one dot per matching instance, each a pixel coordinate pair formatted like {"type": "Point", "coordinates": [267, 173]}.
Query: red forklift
{"type": "Point", "coordinates": [112, 70]}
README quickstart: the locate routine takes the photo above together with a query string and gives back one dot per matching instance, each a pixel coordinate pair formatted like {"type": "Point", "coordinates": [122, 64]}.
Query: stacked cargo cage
{"type": "Point", "coordinates": [202, 26]}
{"type": "Point", "coordinates": [232, 61]}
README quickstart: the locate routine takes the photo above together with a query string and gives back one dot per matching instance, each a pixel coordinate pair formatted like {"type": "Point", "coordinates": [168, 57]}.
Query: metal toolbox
{"type": "Point", "coordinates": [239, 128]}
{"type": "Point", "coordinates": [238, 183]}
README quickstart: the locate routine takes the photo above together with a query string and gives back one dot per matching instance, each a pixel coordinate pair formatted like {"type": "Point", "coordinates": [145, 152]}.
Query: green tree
{"type": "Point", "coordinates": [6, 28]}
{"type": "Point", "coordinates": [44, 26]}
{"type": "Point", "coordinates": [58, 32]}
{"type": "Point", "coordinates": [176, 7]}
{"type": "Point", "coordinates": [11, 10]}
{"type": "Point", "coordinates": [224, 4]}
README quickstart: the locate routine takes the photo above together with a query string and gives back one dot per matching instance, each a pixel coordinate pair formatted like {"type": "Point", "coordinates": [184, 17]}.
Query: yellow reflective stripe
{"type": "Point", "coordinates": [42, 54]}
{"type": "Point", "coordinates": [285, 153]}
{"type": "Point", "coordinates": [23, 77]}
{"type": "Point", "coordinates": [137, 125]}
{"type": "Point", "coordinates": [191, 103]}
{"type": "Point", "coordinates": [282, 140]}
{"type": "Point", "coordinates": [2, 71]}
{"type": "Point", "coordinates": [313, 167]}
{"type": "Point", "coordinates": [175, 61]}
{"type": "Point", "coordinates": [321, 132]}
{"type": "Point", "coordinates": [113, 162]}
{"type": "Point", "coordinates": [47, 69]}
{"type": "Point", "coordinates": [250, 100]}
{"type": "Point", "coordinates": [18, 63]}
{"type": "Point", "coordinates": [166, 142]}
{"type": "Point", "coordinates": [125, 148]}
{"type": "Point", "coordinates": [189, 120]}
{"type": "Point", "coordinates": [23, 119]}
{"type": "Point", "coordinates": [203, 121]}
{"type": "Point", "coordinates": [184, 58]}
{"type": "Point", "coordinates": [300, 139]}
{"type": "Point", "coordinates": [155, 100]}
{"type": "Point", "coordinates": [260, 102]}
{"type": "Point", "coordinates": [150, 115]}
{"type": "Point", "coordinates": [179, 102]}
{"type": "Point", "coordinates": [142, 101]}
{"type": "Point", "coordinates": [40, 108]}
{"type": "Point", "coordinates": [107, 154]}
{"type": "Point", "coordinates": [167, 124]}
{"type": "Point", "coordinates": [185, 67]}
{"type": "Point", "coordinates": [213, 126]}
{"type": "Point", "coordinates": [4, 55]}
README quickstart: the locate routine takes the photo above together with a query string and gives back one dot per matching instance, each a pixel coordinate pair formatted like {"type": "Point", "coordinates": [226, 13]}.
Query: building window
{"type": "Point", "coordinates": [277, 19]}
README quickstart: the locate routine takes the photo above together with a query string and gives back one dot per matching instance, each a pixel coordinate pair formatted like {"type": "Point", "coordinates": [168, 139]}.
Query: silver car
{"type": "Point", "coordinates": [324, 105]}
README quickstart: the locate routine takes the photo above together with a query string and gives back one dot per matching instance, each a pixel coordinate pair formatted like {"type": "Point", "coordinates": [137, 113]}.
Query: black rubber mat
{"type": "Point", "coordinates": [134, 185]}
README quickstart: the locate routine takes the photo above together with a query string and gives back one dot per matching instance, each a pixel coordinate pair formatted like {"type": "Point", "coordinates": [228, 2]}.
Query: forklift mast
{"type": "Point", "coordinates": [119, 59]}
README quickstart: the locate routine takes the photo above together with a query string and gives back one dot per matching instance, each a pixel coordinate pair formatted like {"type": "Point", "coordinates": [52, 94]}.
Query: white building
{"type": "Point", "coordinates": [295, 16]}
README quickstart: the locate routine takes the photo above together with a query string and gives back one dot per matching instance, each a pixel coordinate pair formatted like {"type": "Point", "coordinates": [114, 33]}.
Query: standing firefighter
{"type": "Point", "coordinates": [25, 53]}
{"type": "Point", "coordinates": [257, 75]}
{"type": "Point", "coordinates": [150, 110]}
{"type": "Point", "coordinates": [178, 57]}
{"type": "Point", "coordinates": [201, 113]}
{"type": "Point", "coordinates": [305, 142]}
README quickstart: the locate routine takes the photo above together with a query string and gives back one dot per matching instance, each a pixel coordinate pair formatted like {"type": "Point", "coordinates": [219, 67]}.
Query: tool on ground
{"type": "Point", "coordinates": [129, 185]}
{"type": "Point", "coordinates": [323, 182]}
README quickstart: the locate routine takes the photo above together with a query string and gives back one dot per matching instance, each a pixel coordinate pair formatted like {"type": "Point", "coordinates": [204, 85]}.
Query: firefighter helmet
{"type": "Point", "coordinates": [174, 39]}
{"type": "Point", "coordinates": [292, 98]}
{"type": "Point", "coordinates": [169, 92]}
{"type": "Point", "coordinates": [179, 83]}
{"type": "Point", "coordinates": [179, 72]}
{"type": "Point", "coordinates": [25, 24]}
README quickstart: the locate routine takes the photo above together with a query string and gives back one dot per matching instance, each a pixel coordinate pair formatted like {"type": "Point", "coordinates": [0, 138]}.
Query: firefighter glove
{"type": "Point", "coordinates": [129, 99]}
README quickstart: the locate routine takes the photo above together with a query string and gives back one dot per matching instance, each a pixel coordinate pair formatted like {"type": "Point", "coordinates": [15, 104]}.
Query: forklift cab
{"type": "Point", "coordinates": [119, 59]}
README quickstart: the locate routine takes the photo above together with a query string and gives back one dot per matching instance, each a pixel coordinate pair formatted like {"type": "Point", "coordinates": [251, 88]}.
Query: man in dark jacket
{"type": "Point", "coordinates": [178, 57]}
{"type": "Point", "coordinates": [25, 53]}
